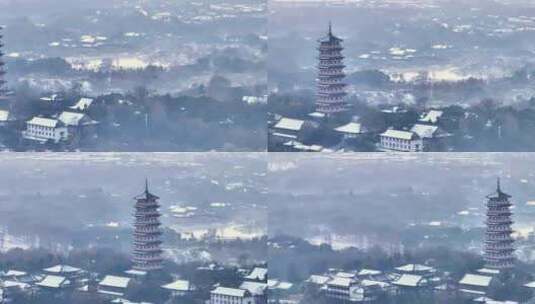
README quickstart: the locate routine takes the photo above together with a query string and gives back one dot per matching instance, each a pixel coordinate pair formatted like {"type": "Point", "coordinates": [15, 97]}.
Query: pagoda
{"type": "Point", "coordinates": [3, 90]}
{"type": "Point", "coordinates": [147, 252]}
{"type": "Point", "coordinates": [330, 86]}
{"type": "Point", "coordinates": [499, 249]}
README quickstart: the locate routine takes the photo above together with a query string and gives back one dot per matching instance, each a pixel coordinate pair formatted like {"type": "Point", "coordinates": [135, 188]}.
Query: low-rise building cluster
{"type": "Point", "coordinates": [297, 135]}
{"type": "Point", "coordinates": [59, 280]}
{"type": "Point", "coordinates": [368, 285]}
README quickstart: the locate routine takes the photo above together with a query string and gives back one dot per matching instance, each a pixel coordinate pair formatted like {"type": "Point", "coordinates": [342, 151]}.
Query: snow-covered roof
{"type": "Point", "coordinates": [284, 285]}
{"type": "Point", "coordinates": [351, 128]}
{"type": "Point", "coordinates": [14, 273]}
{"type": "Point", "coordinates": [71, 118]}
{"type": "Point", "coordinates": [44, 122]}
{"type": "Point", "coordinates": [408, 280]}
{"type": "Point", "coordinates": [82, 104]}
{"type": "Point", "coordinates": [470, 291]}
{"type": "Point", "coordinates": [21, 285]}
{"type": "Point", "coordinates": [487, 300]}
{"type": "Point", "coordinates": [290, 124]}
{"type": "Point", "coordinates": [4, 115]}
{"type": "Point", "coordinates": [317, 115]}
{"type": "Point", "coordinates": [255, 288]}
{"type": "Point", "coordinates": [476, 280]}
{"type": "Point", "coordinates": [114, 281]}
{"type": "Point", "coordinates": [232, 292]}
{"type": "Point", "coordinates": [289, 136]}
{"type": "Point", "coordinates": [318, 279]}
{"type": "Point", "coordinates": [424, 131]}
{"type": "Point", "coordinates": [415, 268]}
{"type": "Point", "coordinates": [52, 281]}
{"type": "Point", "coordinates": [367, 283]}
{"type": "Point", "coordinates": [125, 301]}
{"type": "Point", "coordinates": [258, 273]}
{"type": "Point", "coordinates": [62, 269]}
{"type": "Point", "coordinates": [488, 271]}
{"type": "Point", "coordinates": [432, 116]}
{"type": "Point", "coordinates": [406, 135]}
{"type": "Point", "coordinates": [367, 272]}
{"type": "Point", "coordinates": [338, 281]}
{"type": "Point", "coordinates": [345, 275]}
{"type": "Point", "coordinates": [178, 285]}
{"type": "Point", "coordinates": [136, 272]}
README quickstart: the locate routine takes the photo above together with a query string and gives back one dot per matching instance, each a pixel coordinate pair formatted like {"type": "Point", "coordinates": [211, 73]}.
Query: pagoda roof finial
{"type": "Point", "coordinates": [146, 185]}
{"type": "Point", "coordinates": [330, 28]}
{"type": "Point", "coordinates": [498, 188]}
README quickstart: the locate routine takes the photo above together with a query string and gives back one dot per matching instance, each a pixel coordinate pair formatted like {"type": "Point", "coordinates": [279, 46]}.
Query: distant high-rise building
{"type": "Point", "coordinates": [147, 252]}
{"type": "Point", "coordinates": [499, 249]}
{"type": "Point", "coordinates": [331, 92]}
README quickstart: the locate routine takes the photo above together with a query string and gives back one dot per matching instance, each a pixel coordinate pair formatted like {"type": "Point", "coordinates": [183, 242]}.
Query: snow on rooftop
{"type": "Point", "coordinates": [52, 281]}
{"type": "Point", "coordinates": [415, 268]}
{"type": "Point", "coordinates": [4, 115]}
{"type": "Point", "coordinates": [317, 115]}
{"type": "Point", "coordinates": [82, 104]}
{"type": "Point", "coordinates": [258, 273]}
{"type": "Point", "coordinates": [232, 292]}
{"type": "Point", "coordinates": [71, 118]}
{"type": "Point", "coordinates": [408, 280]}
{"type": "Point", "coordinates": [338, 281]}
{"type": "Point", "coordinates": [488, 271]}
{"type": "Point", "coordinates": [367, 283]}
{"type": "Point", "coordinates": [136, 272]}
{"type": "Point", "coordinates": [14, 273]}
{"type": "Point", "coordinates": [476, 280]}
{"type": "Point", "coordinates": [406, 135]}
{"type": "Point", "coordinates": [318, 279]}
{"type": "Point", "coordinates": [424, 131]}
{"type": "Point", "coordinates": [290, 124]}
{"type": "Point", "coordinates": [45, 122]}
{"type": "Point", "coordinates": [365, 272]}
{"type": "Point", "coordinates": [114, 281]}
{"type": "Point", "coordinates": [351, 128]}
{"type": "Point", "coordinates": [62, 269]}
{"type": "Point", "coordinates": [21, 285]}
{"type": "Point", "coordinates": [345, 275]}
{"type": "Point", "coordinates": [178, 285]}
{"type": "Point", "coordinates": [255, 288]}
{"type": "Point", "coordinates": [432, 116]}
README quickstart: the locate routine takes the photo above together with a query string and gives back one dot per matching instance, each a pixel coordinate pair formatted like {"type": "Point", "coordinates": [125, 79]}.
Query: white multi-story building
{"type": "Point", "coordinates": [403, 141]}
{"type": "Point", "coordinates": [225, 295]}
{"type": "Point", "coordinates": [45, 129]}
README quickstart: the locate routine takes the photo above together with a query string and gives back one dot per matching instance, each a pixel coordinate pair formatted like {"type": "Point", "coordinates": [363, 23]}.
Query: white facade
{"type": "Point", "coordinates": [224, 295]}
{"type": "Point", "coordinates": [44, 129]}
{"type": "Point", "coordinates": [403, 141]}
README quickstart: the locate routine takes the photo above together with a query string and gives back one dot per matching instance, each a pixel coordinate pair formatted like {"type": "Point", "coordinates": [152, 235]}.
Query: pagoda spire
{"type": "Point", "coordinates": [330, 28]}
{"type": "Point", "coordinates": [498, 188]}
{"type": "Point", "coordinates": [146, 185]}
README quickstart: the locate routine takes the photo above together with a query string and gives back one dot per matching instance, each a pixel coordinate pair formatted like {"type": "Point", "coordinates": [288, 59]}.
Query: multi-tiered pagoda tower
{"type": "Point", "coordinates": [330, 86]}
{"type": "Point", "coordinates": [147, 255]}
{"type": "Point", "coordinates": [499, 249]}
{"type": "Point", "coordinates": [3, 89]}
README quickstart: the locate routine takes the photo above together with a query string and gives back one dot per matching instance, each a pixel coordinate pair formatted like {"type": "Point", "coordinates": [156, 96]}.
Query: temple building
{"type": "Point", "coordinates": [147, 255]}
{"type": "Point", "coordinates": [330, 86]}
{"type": "Point", "coordinates": [499, 249]}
